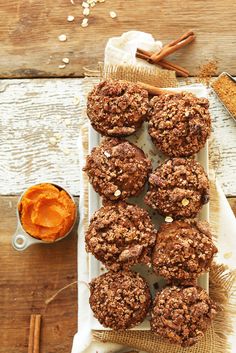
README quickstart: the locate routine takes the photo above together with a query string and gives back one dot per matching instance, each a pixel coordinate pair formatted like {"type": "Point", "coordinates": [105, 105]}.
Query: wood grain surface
{"type": "Point", "coordinates": [29, 32]}
{"type": "Point", "coordinates": [34, 111]}
{"type": "Point", "coordinates": [27, 280]}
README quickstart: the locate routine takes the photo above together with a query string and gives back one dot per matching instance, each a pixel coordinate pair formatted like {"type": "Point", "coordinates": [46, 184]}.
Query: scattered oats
{"type": "Point", "coordinates": [66, 60]}
{"type": "Point", "coordinates": [185, 202]}
{"type": "Point", "coordinates": [57, 135]}
{"type": "Point", "coordinates": [62, 37]}
{"type": "Point", "coordinates": [86, 11]}
{"type": "Point", "coordinates": [84, 23]}
{"type": "Point", "coordinates": [72, 1]}
{"type": "Point", "coordinates": [168, 219]}
{"type": "Point", "coordinates": [228, 255]}
{"type": "Point", "coordinates": [70, 18]}
{"type": "Point", "coordinates": [107, 154]}
{"type": "Point", "coordinates": [113, 14]}
{"type": "Point", "coordinates": [65, 151]}
{"type": "Point", "coordinates": [77, 100]}
{"type": "Point", "coordinates": [67, 122]}
{"type": "Point", "coordinates": [93, 4]}
{"type": "Point", "coordinates": [117, 193]}
{"type": "Point", "coordinates": [61, 66]}
{"type": "Point", "coordinates": [53, 141]}
{"type": "Point", "coordinates": [85, 4]}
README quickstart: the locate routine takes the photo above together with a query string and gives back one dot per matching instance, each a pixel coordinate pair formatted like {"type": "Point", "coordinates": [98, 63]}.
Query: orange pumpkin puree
{"type": "Point", "coordinates": [46, 212]}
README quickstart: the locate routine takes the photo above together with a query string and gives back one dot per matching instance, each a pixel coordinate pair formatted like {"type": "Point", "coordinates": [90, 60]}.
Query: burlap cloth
{"type": "Point", "coordinates": [222, 280]}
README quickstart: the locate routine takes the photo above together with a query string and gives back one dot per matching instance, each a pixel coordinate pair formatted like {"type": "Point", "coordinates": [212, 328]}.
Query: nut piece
{"type": "Point", "coordinates": [185, 202]}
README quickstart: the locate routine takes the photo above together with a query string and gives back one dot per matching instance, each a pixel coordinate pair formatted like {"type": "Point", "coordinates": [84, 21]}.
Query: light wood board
{"type": "Point", "coordinates": [34, 111]}
{"type": "Point", "coordinates": [29, 30]}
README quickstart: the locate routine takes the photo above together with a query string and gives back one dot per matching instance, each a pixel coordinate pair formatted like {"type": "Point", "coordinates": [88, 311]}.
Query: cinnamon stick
{"type": "Point", "coordinates": [145, 55]}
{"type": "Point", "coordinates": [34, 334]}
{"type": "Point", "coordinates": [31, 334]}
{"type": "Point", "coordinates": [169, 49]}
{"type": "Point", "coordinates": [155, 91]}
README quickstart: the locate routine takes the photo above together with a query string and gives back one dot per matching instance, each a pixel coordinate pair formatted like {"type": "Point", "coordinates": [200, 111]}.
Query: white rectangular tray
{"type": "Point", "coordinates": [143, 140]}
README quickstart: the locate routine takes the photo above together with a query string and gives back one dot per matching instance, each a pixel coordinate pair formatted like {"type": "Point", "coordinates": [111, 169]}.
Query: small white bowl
{"type": "Point", "coordinates": [21, 240]}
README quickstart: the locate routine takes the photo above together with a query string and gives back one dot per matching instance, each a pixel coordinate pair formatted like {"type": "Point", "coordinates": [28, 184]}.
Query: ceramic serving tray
{"type": "Point", "coordinates": [143, 140]}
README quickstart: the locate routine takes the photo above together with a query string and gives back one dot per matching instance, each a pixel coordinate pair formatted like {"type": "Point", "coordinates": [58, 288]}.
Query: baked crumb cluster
{"type": "Point", "coordinates": [120, 236]}
{"type": "Point", "coordinates": [117, 169]}
{"type": "Point", "coordinates": [117, 108]}
{"type": "Point", "coordinates": [120, 300]}
{"type": "Point", "coordinates": [184, 250]}
{"type": "Point", "coordinates": [178, 188]}
{"type": "Point", "coordinates": [182, 315]}
{"type": "Point", "coordinates": [179, 124]}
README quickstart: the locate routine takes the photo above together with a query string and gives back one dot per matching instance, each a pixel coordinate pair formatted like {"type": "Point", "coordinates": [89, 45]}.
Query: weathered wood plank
{"type": "Point", "coordinates": [33, 111]}
{"type": "Point", "coordinates": [27, 280]}
{"type": "Point", "coordinates": [29, 31]}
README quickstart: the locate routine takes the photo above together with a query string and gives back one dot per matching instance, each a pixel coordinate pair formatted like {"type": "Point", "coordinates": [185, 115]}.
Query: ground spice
{"type": "Point", "coordinates": [207, 71]}
{"type": "Point", "coordinates": [225, 88]}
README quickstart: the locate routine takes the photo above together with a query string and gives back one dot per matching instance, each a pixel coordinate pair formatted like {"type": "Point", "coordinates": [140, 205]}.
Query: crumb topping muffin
{"type": "Point", "coordinates": [121, 236]}
{"type": "Point", "coordinates": [120, 300]}
{"type": "Point", "coordinates": [178, 188]}
{"type": "Point", "coordinates": [183, 250]}
{"type": "Point", "coordinates": [117, 108]}
{"type": "Point", "coordinates": [179, 124]}
{"type": "Point", "coordinates": [182, 315]}
{"type": "Point", "coordinates": [117, 169]}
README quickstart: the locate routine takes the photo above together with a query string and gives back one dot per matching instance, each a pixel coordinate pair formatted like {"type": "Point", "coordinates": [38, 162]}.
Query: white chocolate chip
{"type": "Point", "coordinates": [62, 37]}
{"type": "Point", "coordinates": [107, 154]}
{"type": "Point", "coordinates": [61, 66]}
{"type": "Point", "coordinates": [86, 11]}
{"type": "Point", "coordinates": [113, 14]}
{"type": "Point", "coordinates": [66, 60]}
{"type": "Point", "coordinates": [84, 23]}
{"type": "Point", "coordinates": [169, 219]}
{"type": "Point", "coordinates": [117, 193]}
{"type": "Point", "coordinates": [185, 202]}
{"type": "Point", "coordinates": [70, 18]}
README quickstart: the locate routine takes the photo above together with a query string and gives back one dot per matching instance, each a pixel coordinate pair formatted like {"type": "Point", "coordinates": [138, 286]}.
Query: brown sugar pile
{"type": "Point", "coordinates": [207, 71]}
{"type": "Point", "coordinates": [225, 88]}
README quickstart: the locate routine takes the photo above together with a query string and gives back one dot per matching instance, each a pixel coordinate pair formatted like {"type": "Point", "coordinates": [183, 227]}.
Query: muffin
{"type": "Point", "coordinates": [117, 108]}
{"type": "Point", "coordinates": [121, 236]}
{"type": "Point", "coordinates": [179, 124]}
{"type": "Point", "coordinates": [183, 250]}
{"type": "Point", "coordinates": [182, 315]}
{"type": "Point", "coordinates": [178, 188]}
{"type": "Point", "coordinates": [117, 169]}
{"type": "Point", "coordinates": [119, 300]}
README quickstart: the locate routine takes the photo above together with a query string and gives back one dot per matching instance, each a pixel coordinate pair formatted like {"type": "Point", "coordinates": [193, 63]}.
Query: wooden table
{"type": "Point", "coordinates": [30, 48]}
